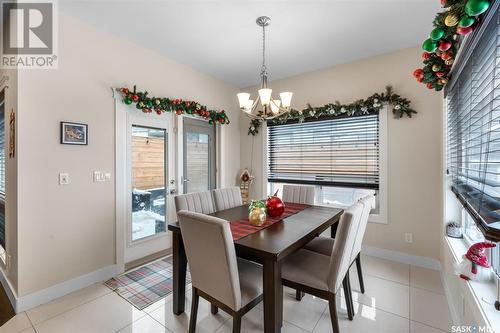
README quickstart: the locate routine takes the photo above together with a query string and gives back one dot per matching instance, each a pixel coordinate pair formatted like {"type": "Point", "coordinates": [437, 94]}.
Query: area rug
{"type": "Point", "coordinates": [145, 285]}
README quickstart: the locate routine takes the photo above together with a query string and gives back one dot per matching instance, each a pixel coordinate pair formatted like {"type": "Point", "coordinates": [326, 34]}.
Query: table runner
{"type": "Point", "coordinates": [242, 227]}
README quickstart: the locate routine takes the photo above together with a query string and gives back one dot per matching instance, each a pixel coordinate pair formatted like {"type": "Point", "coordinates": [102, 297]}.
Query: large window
{"type": "Point", "coordinates": [339, 156]}
{"type": "Point", "coordinates": [473, 103]}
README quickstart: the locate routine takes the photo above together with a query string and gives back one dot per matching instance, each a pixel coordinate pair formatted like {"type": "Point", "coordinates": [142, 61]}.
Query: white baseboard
{"type": "Point", "coordinates": [32, 300]}
{"type": "Point", "coordinates": [454, 314]}
{"type": "Point", "coordinates": [9, 290]}
{"type": "Point", "coordinates": [402, 257]}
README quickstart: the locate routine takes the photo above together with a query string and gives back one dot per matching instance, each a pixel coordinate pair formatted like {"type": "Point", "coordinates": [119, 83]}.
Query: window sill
{"type": "Point", "coordinates": [482, 294]}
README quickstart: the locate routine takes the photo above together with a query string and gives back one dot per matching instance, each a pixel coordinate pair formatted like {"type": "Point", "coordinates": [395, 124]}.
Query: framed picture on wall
{"type": "Point", "coordinates": [74, 133]}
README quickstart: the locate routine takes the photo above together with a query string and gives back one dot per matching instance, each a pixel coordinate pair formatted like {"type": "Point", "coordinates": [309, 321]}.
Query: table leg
{"type": "Point", "coordinates": [179, 274]}
{"type": "Point", "coordinates": [334, 229]}
{"type": "Point", "coordinates": [272, 294]}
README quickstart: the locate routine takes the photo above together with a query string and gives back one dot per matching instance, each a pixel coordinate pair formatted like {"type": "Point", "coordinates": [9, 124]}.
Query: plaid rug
{"type": "Point", "coordinates": [145, 285]}
{"type": "Point", "coordinates": [242, 228]}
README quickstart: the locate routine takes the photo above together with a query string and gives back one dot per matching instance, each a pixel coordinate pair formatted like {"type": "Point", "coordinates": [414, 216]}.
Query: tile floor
{"type": "Point", "coordinates": [399, 298]}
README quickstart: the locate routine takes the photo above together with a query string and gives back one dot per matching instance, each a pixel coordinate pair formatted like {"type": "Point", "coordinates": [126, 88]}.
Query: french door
{"type": "Point", "coordinates": [199, 156]}
{"type": "Point", "coordinates": [150, 181]}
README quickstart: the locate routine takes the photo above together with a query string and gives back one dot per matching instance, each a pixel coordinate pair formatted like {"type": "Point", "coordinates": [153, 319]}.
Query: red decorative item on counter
{"type": "Point", "coordinates": [275, 207]}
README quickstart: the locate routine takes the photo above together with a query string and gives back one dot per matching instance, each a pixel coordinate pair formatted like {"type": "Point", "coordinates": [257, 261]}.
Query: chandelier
{"type": "Point", "coordinates": [271, 108]}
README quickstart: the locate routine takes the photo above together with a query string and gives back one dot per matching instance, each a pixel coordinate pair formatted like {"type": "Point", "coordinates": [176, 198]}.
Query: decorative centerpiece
{"type": "Point", "coordinates": [257, 213]}
{"type": "Point", "coordinates": [454, 230]}
{"type": "Point", "coordinates": [474, 265]}
{"type": "Point", "coordinates": [275, 207]}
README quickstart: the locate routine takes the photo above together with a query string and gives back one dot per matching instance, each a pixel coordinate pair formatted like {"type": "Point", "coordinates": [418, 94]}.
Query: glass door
{"type": "Point", "coordinates": [149, 152]}
{"type": "Point", "coordinates": [199, 156]}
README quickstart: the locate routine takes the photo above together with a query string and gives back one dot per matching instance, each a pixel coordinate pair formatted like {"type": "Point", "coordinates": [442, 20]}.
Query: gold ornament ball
{"type": "Point", "coordinates": [435, 68]}
{"type": "Point", "coordinates": [443, 81]}
{"type": "Point", "coordinates": [451, 20]}
{"type": "Point", "coordinates": [449, 62]}
{"type": "Point", "coordinates": [257, 216]}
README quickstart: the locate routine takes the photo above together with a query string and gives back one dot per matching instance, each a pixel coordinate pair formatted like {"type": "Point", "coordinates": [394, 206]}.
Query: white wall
{"type": "Point", "coordinates": [415, 145]}
{"type": "Point", "coordinates": [68, 231]}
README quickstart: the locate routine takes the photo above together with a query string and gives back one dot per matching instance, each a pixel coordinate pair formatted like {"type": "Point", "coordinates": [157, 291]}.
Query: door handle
{"type": "Point", "coordinates": [173, 191]}
{"type": "Point", "coordinates": [186, 180]}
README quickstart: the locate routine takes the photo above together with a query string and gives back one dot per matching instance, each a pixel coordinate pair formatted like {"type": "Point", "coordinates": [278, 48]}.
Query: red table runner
{"type": "Point", "coordinates": [242, 227]}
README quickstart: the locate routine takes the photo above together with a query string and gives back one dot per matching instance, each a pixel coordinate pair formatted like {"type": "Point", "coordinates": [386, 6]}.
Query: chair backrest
{"type": "Point", "coordinates": [199, 202]}
{"type": "Point", "coordinates": [298, 194]}
{"type": "Point", "coordinates": [211, 256]}
{"type": "Point", "coordinates": [340, 259]}
{"type": "Point", "coordinates": [226, 198]}
{"type": "Point", "coordinates": [367, 207]}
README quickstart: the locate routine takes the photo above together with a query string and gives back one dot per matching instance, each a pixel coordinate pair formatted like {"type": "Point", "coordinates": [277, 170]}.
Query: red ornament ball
{"type": "Point", "coordinates": [440, 74]}
{"type": "Point", "coordinates": [419, 72]}
{"type": "Point", "coordinates": [426, 55]}
{"type": "Point", "coordinates": [443, 3]}
{"type": "Point", "coordinates": [125, 91]}
{"type": "Point", "coordinates": [446, 56]}
{"type": "Point", "coordinates": [275, 207]}
{"type": "Point", "coordinates": [465, 30]}
{"type": "Point", "coordinates": [420, 79]}
{"type": "Point", "coordinates": [444, 45]}
{"type": "Point", "coordinates": [429, 85]}
{"type": "Point", "coordinates": [135, 98]}
{"type": "Point", "coordinates": [178, 112]}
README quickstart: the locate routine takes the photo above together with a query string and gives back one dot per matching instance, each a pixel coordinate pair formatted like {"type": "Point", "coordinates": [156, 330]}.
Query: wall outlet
{"type": "Point", "coordinates": [409, 237]}
{"type": "Point", "coordinates": [63, 178]}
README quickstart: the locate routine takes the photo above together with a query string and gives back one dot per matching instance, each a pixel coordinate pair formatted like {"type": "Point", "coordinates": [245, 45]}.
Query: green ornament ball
{"type": "Point", "coordinates": [476, 7]}
{"type": "Point", "coordinates": [149, 103]}
{"type": "Point", "coordinates": [127, 100]}
{"type": "Point", "coordinates": [466, 21]}
{"type": "Point", "coordinates": [429, 45]}
{"type": "Point", "coordinates": [211, 122]}
{"type": "Point", "coordinates": [437, 33]}
{"type": "Point", "coordinates": [138, 106]}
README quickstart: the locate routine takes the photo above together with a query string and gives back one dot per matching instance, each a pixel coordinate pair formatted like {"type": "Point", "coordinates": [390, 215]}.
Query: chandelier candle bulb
{"type": "Point", "coordinates": [243, 99]}
{"type": "Point", "coordinates": [275, 106]}
{"type": "Point", "coordinates": [286, 99]}
{"type": "Point", "coordinates": [265, 96]}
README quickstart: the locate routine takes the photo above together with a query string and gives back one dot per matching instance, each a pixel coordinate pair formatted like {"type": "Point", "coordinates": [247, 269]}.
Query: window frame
{"type": "Point", "coordinates": [382, 216]}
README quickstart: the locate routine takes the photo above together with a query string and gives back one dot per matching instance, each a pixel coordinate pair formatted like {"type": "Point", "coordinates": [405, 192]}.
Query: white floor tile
{"type": "Point", "coordinates": [206, 322]}
{"type": "Point", "coordinates": [428, 279]}
{"type": "Point", "coordinates": [17, 323]}
{"type": "Point", "coordinates": [105, 314]}
{"type": "Point", "coordinates": [28, 330]}
{"type": "Point", "coordinates": [367, 319]}
{"type": "Point", "coordinates": [304, 314]}
{"type": "Point", "coordinates": [421, 328]}
{"type": "Point", "coordinates": [145, 325]}
{"type": "Point", "coordinates": [382, 294]}
{"type": "Point", "coordinates": [66, 303]}
{"type": "Point", "coordinates": [430, 308]}
{"type": "Point", "coordinates": [253, 322]}
{"type": "Point", "coordinates": [384, 269]}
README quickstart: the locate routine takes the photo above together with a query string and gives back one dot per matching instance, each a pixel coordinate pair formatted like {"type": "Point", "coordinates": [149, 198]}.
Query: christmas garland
{"type": "Point", "coordinates": [179, 106]}
{"type": "Point", "coordinates": [460, 18]}
{"type": "Point", "coordinates": [373, 104]}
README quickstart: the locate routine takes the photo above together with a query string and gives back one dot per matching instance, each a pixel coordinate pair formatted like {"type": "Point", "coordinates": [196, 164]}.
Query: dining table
{"type": "Point", "coordinates": [268, 247]}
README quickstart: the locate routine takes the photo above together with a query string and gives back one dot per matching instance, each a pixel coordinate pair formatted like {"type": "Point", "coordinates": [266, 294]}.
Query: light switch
{"type": "Point", "coordinates": [63, 178]}
{"type": "Point", "coordinates": [101, 176]}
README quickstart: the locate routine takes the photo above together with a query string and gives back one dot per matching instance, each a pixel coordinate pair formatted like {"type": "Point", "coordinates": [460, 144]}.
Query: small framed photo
{"type": "Point", "coordinates": [74, 133]}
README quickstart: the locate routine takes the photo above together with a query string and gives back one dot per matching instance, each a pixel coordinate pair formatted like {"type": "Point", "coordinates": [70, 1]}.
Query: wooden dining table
{"type": "Point", "coordinates": [268, 247]}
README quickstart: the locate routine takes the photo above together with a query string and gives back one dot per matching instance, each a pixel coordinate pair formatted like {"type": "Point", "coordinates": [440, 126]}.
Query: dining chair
{"type": "Point", "coordinates": [298, 194]}
{"type": "Point", "coordinates": [322, 276]}
{"type": "Point", "coordinates": [226, 198]}
{"type": "Point", "coordinates": [234, 285]}
{"type": "Point", "coordinates": [199, 202]}
{"type": "Point", "coordinates": [324, 245]}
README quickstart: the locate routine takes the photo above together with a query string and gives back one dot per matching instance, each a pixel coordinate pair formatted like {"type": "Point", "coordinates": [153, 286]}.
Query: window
{"type": "Point", "coordinates": [339, 156]}
{"type": "Point", "coordinates": [2, 146]}
{"type": "Point", "coordinates": [473, 103]}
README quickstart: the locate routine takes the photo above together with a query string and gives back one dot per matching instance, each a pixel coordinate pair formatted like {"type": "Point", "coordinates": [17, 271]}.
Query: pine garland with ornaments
{"type": "Point", "coordinates": [400, 107]}
{"type": "Point", "coordinates": [160, 105]}
{"type": "Point", "coordinates": [460, 18]}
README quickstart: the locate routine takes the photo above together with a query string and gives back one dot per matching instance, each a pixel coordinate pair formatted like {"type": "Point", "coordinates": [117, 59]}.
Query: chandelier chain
{"type": "Point", "coordinates": [264, 68]}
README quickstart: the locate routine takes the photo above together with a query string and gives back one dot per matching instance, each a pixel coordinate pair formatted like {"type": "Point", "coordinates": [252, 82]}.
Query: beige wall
{"type": "Point", "coordinates": [414, 145]}
{"type": "Point", "coordinates": [68, 231]}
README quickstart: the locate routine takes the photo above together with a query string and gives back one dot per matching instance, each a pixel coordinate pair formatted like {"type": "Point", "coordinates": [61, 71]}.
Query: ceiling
{"type": "Point", "coordinates": [220, 38]}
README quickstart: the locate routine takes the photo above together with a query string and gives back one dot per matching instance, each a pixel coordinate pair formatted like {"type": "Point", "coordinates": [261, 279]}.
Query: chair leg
{"type": "Point", "coordinates": [333, 313]}
{"type": "Point", "coordinates": [346, 284]}
{"type": "Point", "coordinates": [299, 294]}
{"type": "Point", "coordinates": [360, 273]}
{"type": "Point", "coordinates": [237, 323]}
{"type": "Point", "coordinates": [194, 311]}
{"type": "Point", "coordinates": [214, 309]}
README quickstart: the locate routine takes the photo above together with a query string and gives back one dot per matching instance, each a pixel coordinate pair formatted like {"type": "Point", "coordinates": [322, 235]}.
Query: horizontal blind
{"type": "Point", "coordinates": [330, 152]}
{"type": "Point", "coordinates": [2, 144]}
{"type": "Point", "coordinates": [473, 142]}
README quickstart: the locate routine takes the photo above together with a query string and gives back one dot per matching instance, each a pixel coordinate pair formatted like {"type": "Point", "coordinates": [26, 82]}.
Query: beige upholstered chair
{"type": "Point", "coordinates": [324, 245]}
{"type": "Point", "coordinates": [226, 198]}
{"type": "Point", "coordinates": [199, 202]}
{"type": "Point", "coordinates": [321, 275]}
{"type": "Point", "coordinates": [233, 285]}
{"type": "Point", "coordinates": [298, 194]}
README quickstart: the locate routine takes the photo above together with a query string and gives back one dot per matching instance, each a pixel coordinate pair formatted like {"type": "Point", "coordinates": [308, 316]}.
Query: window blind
{"type": "Point", "coordinates": [2, 144]}
{"type": "Point", "coordinates": [329, 152]}
{"type": "Point", "coordinates": [473, 140]}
